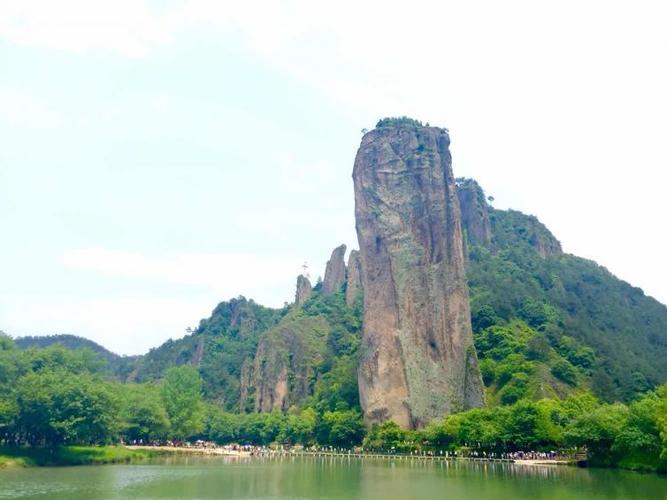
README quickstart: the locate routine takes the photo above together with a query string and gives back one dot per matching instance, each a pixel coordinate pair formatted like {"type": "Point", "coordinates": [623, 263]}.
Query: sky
{"type": "Point", "coordinates": [160, 157]}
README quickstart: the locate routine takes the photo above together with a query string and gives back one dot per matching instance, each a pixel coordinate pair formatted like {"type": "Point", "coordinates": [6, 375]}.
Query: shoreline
{"type": "Point", "coordinates": [192, 450]}
{"type": "Point", "coordinates": [240, 453]}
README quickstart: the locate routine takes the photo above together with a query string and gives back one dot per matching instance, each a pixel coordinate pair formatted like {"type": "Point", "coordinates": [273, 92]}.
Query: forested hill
{"type": "Point", "coordinates": [118, 366]}
{"type": "Point", "coordinates": [611, 335]}
{"type": "Point", "coordinates": [68, 341]}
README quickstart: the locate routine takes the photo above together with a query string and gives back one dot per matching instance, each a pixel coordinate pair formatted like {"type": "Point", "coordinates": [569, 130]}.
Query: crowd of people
{"type": "Point", "coordinates": [261, 450]}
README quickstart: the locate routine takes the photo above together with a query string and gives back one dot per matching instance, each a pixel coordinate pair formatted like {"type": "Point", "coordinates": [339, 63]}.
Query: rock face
{"type": "Point", "coordinates": [285, 362]}
{"type": "Point", "coordinates": [418, 361]}
{"type": "Point", "coordinates": [245, 386]}
{"type": "Point", "coordinates": [474, 212]}
{"type": "Point", "coordinates": [354, 286]}
{"type": "Point", "coordinates": [334, 276]}
{"type": "Point", "coordinates": [541, 238]}
{"type": "Point", "coordinates": [304, 290]}
{"type": "Point", "coordinates": [483, 228]}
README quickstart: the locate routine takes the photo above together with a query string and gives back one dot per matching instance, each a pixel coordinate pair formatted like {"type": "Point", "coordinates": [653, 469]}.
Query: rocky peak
{"type": "Point", "coordinates": [334, 275]}
{"type": "Point", "coordinates": [354, 286]}
{"type": "Point", "coordinates": [496, 229]}
{"type": "Point", "coordinates": [474, 212]}
{"type": "Point", "coordinates": [418, 359]}
{"type": "Point", "coordinates": [304, 290]}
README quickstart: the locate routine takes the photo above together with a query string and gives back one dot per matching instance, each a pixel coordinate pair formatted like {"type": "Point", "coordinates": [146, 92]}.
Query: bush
{"type": "Point", "coordinates": [564, 371]}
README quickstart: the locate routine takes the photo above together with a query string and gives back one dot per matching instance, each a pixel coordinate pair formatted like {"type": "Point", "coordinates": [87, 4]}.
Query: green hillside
{"type": "Point", "coordinates": [562, 320]}
{"type": "Point", "coordinates": [119, 366]}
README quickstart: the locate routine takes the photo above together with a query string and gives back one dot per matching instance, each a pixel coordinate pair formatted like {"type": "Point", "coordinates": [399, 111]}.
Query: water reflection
{"type": "Point", "coordinates": [328, 477]}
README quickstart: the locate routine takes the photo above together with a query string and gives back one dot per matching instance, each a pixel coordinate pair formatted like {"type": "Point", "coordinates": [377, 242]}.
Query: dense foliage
{"type": "Point", "coordinates": [118, 366]}
{"type": "Point", "coordinates": [557, 321]}
{"type": "Point", "coordinates": [632, 436]}
{"type": "Point", "coordinates": [54, 396]}
{"type": "Point", "coordinates": [219, 346]}
{"type": "Point", "coordinates": [401, 121]}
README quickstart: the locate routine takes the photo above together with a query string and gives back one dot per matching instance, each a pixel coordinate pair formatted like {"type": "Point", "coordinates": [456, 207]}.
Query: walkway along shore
{"type": "Point", "coordinates": [263, 452]}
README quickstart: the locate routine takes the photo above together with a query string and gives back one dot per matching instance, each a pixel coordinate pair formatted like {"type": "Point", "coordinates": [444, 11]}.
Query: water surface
{"type": "Point", "coordinates": [317, 477]}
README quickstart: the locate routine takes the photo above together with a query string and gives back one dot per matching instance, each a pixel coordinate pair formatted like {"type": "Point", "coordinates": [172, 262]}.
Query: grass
{"type": "Point", "coordinates": [72, 455]}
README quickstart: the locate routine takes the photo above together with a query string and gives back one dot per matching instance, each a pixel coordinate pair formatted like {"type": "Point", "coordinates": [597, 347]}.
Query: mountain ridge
{"type": "Point", "coordinates": [544, 322]}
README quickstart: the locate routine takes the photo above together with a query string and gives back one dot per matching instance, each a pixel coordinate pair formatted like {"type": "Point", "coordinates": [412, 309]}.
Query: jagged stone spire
{"type": "Point", "coordinates": [304, 290]}
{"type": "Point", "coordinates": [334, 276]}
{"type": "Point", "coordinates": [354, 286]}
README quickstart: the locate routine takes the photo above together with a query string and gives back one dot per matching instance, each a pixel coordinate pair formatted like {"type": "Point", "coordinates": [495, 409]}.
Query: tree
{"type": "Point", "coordinates": [521, 427]}
{"type": "Point", "coordinates": [143, 412]}
{"type": "Point", "coordinates": [597, 430]}
{"type": "Point", "coordinates": [181, 392]}
{"type": "Point", "coordinates": [57, 407]}
{"type": "Point", "coordinates": [538, 348]}
{"type": "Point", "coordinates": [341, 428]}
{"type": "Point", "coordinates": [564, 371]}
{"type": "Point", "coordinates": [221, 427]}
{"type": "Point", "coordinates": [301, 427]}
{"type": "Point", "coordinates": [386, 436]}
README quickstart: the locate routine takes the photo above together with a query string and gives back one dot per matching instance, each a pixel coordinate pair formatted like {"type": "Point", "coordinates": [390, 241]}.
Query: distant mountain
{"type": "Point", "coordinates": [120, 366]}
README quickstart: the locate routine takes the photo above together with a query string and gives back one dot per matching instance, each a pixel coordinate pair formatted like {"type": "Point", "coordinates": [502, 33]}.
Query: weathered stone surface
{"type": "Point", "coordinates": [418, 361]}
{"type": "Point", "coordinates": [285, 362]}
{"type": "Point", "coordinates": [334, 276]}
{"type": "Point", "coordinates": [354, 286]}
{"type": "Point", "coordinates": [245, 383]}
{"type": "Point", "coordinates": [304, 290]}
{"type": "Point", "coordinates": [541, 238]}
{"type": "Point", "coordinates": [199, 353]}
{"type": "Point", "coordinates": [474, 212]}
{"type": "Point", "coordinates": [484, 229]}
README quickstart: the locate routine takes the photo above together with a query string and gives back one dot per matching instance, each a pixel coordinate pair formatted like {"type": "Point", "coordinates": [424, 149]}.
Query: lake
{"type": "Point", "coordinates": [325, 477]}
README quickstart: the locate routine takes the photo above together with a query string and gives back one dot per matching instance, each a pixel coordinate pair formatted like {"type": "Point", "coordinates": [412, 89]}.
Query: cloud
{"type": "Point", "coordinates": [227, 274]}
{"type": "Point", "coordinates": [23, 109]}
{"type": "Point", "coordinates": [124, 27]}
{"type": "Point", "coordinates": [125, 325]}
{"type": "Point", "coordinates": [145, 310]}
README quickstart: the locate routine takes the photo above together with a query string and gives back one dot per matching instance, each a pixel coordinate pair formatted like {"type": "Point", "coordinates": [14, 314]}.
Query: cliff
{"type": "Point", "coordinates": [497, 229]}
{"type": "Point", "coordinates": [304, 290]}
{"type": "Point", "coordinates": [418, 361]}
{"type": "Point", "coordinates": [286, 362]}
{"type": "Point", "coordinates": [354, 287]}
{"type": "Point", "coordinates": [334, 275]}
{"type": "Point", "coordinates": [474, 212]}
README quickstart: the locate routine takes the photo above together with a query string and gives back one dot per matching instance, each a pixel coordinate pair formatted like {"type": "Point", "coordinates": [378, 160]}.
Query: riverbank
{"type": "Point", "coordinates": [73, 455]}
{"type": "Point", "coordinates": [191, 450]}
{"type": "Point", "coordinates": [266, 452]}
{"type": "Point", "coordinates": [18, 457]}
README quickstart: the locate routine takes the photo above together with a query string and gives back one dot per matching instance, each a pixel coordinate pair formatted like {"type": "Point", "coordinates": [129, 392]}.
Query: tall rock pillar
{"type": "Point", "coordinates": [304, 290]}
{"type": "Point", "coordinates": [334, 274]}
{"type": "Point", "coordinates": [354, 286]}
{"type": "Point", "coordinates": [418, 360]}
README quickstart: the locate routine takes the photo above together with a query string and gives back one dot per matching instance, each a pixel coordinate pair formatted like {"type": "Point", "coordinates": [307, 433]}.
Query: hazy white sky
{"type": "Point", "coordinates": [159, 157]}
